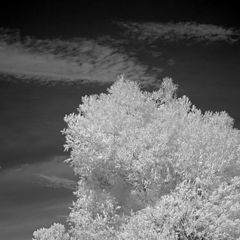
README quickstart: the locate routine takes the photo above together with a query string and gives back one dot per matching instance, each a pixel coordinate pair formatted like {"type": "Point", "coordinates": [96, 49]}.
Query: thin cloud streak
{"type": "Point", "coordinates": [152, 31]}
{"type": "Point", "coordinates": [56, 182]}
{"type": "Point", "coordinates": [25, 194]}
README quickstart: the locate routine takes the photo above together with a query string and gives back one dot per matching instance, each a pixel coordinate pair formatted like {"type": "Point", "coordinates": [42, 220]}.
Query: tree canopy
{"type": "Point", "coordinates": [151, 166]}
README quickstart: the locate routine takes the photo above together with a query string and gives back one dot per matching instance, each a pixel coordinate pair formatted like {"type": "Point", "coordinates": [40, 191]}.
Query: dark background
{"type": "Point", "coordinates": [55, 16]}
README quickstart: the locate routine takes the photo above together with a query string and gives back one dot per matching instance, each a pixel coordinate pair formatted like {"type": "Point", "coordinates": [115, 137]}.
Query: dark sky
{"type": "Point", "coordinates": [50, 14]}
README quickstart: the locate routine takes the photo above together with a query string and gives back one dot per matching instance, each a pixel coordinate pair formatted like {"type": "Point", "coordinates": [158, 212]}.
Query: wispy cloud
{"type": "Point", "coordinates": [82, 60]}
{"type": "Point", "coordinates": [134, 51]}
{"type": "Point", "coordinates": [152, 31]}
{"type": "Point", "coordinates": [56, 182]}
{"type": "Point", "coordinates": [21, 63]}
{"type": "Point", "coordinates": [25, 194]}
{"type": "Point", "coordinates": [49, 173]}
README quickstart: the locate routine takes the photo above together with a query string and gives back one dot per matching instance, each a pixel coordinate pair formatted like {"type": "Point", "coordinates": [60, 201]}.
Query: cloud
{"type": "Point", "coordinates": [57, 182]}
{"type": "Point", "coordinates": [83, 60]}
{"type": "Point", "coordinates": [52, 172]}
{"type": "Point", "coordinates": [27, 202]}
{"type": "Point", "coordinates": [20, 63]}
{"type": "Point", "coordinates": [134, 51]}
{"type": "Point", "coordinates": [152, 31]}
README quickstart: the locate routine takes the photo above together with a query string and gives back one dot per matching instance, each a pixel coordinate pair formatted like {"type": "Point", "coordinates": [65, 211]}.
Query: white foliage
{"type": "Point", "coordinates": [177, 166]}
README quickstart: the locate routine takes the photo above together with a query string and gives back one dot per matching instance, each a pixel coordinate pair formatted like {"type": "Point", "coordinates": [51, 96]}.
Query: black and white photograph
{"type": "Point", "coordinates": [120, 120]}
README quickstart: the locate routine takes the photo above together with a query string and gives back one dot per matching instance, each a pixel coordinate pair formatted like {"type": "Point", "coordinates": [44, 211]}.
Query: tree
{"type": "Point", "coordinates": [55, 232]}
{"type": "Point", "coordinates": [163, 153]}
